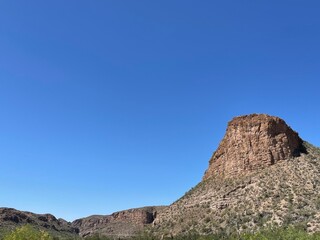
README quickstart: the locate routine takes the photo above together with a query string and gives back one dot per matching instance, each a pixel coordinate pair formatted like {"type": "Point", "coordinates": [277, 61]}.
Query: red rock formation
{"type": "Point", "coordinates": [253, 142]}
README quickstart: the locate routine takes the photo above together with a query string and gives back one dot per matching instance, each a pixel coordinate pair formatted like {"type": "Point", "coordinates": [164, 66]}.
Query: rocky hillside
{"type": "Point", "coordinates": [261, 174]}
{"type": "Point", "coordinates": [119, 224]}
{"type": "Point", "coordinates": [11, 218]}
{"type": "Point", "coordinates": [122, 224]}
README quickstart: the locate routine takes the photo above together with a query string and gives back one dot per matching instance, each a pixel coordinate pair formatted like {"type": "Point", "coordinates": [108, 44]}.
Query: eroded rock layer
{"type": "Point", "coordinates": [253, 142]}
{"type": "Point", "coordinates": [119, 224]}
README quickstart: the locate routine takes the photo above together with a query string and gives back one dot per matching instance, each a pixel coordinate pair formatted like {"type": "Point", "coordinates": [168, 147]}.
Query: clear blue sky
{"type": "Point", "coordinates": [109, 105]}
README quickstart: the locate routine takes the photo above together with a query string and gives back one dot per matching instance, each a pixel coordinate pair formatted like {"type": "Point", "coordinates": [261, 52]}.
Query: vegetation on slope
{"type": "Point", "coordinates": [29, 233]}
{"type": "Point", "coordinates": [283, 194]}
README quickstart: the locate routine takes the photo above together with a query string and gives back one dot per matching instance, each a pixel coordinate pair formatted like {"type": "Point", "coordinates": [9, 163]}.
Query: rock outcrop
{"type": "Point", "coordinates": [11, 218]}
{"type": "Point", "coordinates": [120, 224]}
{"type": "Point", "coordinates": [253, 142]}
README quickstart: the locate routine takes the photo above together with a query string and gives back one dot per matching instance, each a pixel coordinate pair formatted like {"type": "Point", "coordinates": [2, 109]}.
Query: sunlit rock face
{"type": "Point", "coordinates": [253, 142]}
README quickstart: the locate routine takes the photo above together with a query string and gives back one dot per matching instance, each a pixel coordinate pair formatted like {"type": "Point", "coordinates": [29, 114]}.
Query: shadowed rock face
{"type": "Point", "coordinates": [11, 218]}
{"type": "Point", "coordinates": [253, 142]}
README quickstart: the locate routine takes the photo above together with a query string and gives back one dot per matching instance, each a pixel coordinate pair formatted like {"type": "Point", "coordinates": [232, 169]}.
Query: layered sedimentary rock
{"type": "Point", "coordinates": [121, 224]}
{"type": "Point", "coordinates": [253, 142]}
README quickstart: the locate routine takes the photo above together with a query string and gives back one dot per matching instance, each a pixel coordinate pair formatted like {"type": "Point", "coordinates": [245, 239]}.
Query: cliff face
{"type": "Point", "coordinates": [253, 142]}
{"type": "Point", "coordinates": [120, 224]}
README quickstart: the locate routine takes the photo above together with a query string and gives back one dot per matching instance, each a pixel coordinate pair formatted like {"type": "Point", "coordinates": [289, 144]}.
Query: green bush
{"type": "Point", "coordinates": [290, 233]}
{"type": "Point", "coordinates": [27, 233]}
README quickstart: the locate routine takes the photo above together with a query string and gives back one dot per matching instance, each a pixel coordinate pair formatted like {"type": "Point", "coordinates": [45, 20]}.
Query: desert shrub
{"type": "Point", "coordinates": [27, 232]}
{"type": "Point", "coordinates": [98, 237]}
{"type": "Point", "coordinates": [289, 233]}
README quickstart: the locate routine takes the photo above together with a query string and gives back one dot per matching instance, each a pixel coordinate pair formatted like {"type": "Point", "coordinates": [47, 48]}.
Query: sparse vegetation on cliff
{"type": "Point", "coordinates": [283, 194]}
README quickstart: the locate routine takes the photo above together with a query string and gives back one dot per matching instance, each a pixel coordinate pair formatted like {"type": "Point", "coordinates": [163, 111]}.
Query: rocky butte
{"type": "Point", "coordinates": [262, 174]}
{"type": "Point", "coordinates": [253, 142]}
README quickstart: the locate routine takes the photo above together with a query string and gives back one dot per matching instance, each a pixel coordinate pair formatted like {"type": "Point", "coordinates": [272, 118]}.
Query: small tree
{"type": "Point", "coordinates": [27, 232]}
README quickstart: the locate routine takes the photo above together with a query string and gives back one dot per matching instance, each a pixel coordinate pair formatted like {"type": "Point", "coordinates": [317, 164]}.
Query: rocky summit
{"type": "Point", "coordinates": [253, 142]}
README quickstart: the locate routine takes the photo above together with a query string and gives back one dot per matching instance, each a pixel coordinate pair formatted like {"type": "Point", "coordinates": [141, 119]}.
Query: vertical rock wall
{"type": "Point", "coordinates": [253, 142]}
